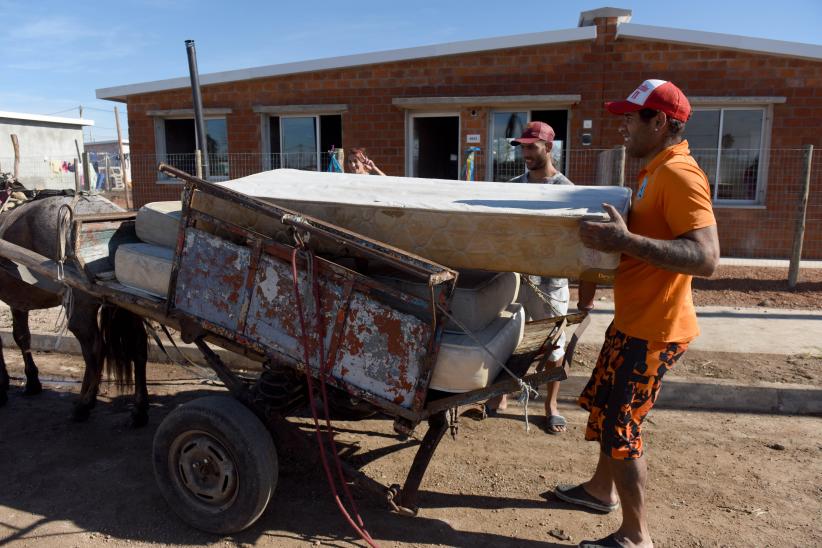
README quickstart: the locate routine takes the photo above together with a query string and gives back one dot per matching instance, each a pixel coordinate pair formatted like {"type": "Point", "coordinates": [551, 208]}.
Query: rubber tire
{"type": "Point", "coordinates": [252, 452]}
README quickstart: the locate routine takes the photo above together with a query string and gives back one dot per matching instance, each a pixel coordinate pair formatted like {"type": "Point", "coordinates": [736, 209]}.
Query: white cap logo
{"type": "Point", "coordinates": [640, 94]}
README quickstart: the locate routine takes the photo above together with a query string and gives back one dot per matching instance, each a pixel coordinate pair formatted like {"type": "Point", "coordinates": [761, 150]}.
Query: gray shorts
{"type": "Point", "coordinates": [537, 309]}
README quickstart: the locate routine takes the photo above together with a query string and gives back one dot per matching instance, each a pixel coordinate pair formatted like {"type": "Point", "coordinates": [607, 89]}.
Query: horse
{"type": "Point", "coordinates": [110, 337]}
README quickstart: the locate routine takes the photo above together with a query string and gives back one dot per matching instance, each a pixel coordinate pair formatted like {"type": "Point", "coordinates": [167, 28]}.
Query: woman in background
{"type": "Point", "coordinates": [357, 162]}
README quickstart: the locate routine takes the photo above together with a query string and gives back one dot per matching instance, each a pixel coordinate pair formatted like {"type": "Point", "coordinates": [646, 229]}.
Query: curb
{"type": "Point", "coordinates": [720, 395]}
{"type": "Point", "coordinates": [688, 394]}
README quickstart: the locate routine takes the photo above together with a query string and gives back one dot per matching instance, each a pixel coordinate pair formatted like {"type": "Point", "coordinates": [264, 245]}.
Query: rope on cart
{"type": "Point", "coordinates": [323, 368]}
{"type": "Point", "coordinates": [543, 296]}
{"type": "Point", "coordinates": [526, 390]}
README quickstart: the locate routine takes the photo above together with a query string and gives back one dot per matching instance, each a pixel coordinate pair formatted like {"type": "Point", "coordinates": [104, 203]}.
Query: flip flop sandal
{"type": "Point", "coordinates": [556, 420]}
{"type": "Point", "coordinates": [608, 542]}
{"type": "Point", "coordinates": [576, 494]}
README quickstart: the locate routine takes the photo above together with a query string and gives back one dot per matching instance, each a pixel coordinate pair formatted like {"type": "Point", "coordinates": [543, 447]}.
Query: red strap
{"type": "Point", "coordinates": [359, 527]}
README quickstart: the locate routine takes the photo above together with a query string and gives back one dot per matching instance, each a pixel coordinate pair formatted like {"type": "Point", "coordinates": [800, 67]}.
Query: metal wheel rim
{"type": "Point", "coordinates": [203, 471]}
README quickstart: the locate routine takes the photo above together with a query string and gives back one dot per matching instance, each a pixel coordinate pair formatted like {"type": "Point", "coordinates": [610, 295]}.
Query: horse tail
{"type": "Point", "coordinates": [125, 343]}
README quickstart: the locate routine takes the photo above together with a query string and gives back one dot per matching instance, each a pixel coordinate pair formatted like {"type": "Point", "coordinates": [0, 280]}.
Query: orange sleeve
{"type": "Point", "coordinates": [686, 200]}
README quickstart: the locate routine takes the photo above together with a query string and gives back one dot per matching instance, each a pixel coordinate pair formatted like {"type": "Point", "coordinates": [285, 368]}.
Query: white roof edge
{"type": "Point", "coordinates": [346, 61]}
{"type": "Point", "coordinates": [716, 39]}
{"type": "Point", "coordinates": [44, 118]}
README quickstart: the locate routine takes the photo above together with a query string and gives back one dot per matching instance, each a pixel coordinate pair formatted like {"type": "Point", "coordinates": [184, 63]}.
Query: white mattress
{"type": "Point", "coordinates": [478, 300]}
{"type": "Point", "coordinates": [145, 267]}
{"type": "Point", "coordinates": [488, 226]}
{"type": "Point", "coordinates": [157, 223]}
{"type": "Point", "coordinates": [462, 365]}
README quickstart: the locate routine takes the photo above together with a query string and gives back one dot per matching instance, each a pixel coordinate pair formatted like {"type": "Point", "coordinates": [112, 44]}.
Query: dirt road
{"type": "Point", "coordinates": [715, 479]}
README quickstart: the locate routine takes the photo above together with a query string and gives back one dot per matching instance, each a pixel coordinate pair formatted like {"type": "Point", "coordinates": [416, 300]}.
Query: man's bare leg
{"type": "Point", "coordinates": [552, 389]}
{"type": "Point", "coordinates": [498, 403]}
{"type": "Point", "coordinates": [601, 485]}
{"type": "Point", "coordinates": [630, 477]}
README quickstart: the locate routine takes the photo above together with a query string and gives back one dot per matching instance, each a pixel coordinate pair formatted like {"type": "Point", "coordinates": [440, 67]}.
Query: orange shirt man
{"type": "Point", "coordinates": [670, 237]}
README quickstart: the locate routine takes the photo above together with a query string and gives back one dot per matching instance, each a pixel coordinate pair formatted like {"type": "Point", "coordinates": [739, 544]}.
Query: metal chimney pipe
{"type": "Point", "coordinates": [199, 120]}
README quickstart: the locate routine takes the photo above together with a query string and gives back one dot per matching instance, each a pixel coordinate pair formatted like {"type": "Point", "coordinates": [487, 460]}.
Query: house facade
{"type": "Point", "coordinates": [423, 111]}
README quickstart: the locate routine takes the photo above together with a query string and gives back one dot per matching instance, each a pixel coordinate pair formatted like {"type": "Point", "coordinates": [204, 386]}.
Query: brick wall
{"type": "Point", "coordinates": [603, 70]}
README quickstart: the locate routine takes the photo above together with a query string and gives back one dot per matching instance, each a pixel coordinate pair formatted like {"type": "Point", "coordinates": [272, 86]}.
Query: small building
{"type": "Point", "coordinates": [105, 159]}
{"type": "Point", "coordinates": [48, 148]}
{"type": "Point", "coordinates": [421, 111]}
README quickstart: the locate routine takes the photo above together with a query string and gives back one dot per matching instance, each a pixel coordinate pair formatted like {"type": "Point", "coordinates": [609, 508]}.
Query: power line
{"type": "Point", "coordinates": [62, 111]}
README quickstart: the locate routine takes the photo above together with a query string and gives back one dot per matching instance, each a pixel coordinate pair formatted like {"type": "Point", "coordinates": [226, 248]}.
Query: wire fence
{"type": "Point", "coordinates": [758, 194]}
{"type": "Point", "coordinates": [105, 171]}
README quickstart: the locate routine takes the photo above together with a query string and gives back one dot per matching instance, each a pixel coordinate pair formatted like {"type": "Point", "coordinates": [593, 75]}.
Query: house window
{"type": "Point", "coordinates": [505, 161]}
{"type": "Point", "coordinates": [177, 144]}
{"type": "Point", "coordinates": [303, 142]}
{"type": "Point", "coordinates": [728, 144]}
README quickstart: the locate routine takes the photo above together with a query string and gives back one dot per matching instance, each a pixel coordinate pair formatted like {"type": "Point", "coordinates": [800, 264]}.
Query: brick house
{"type": "Point", "coordinates": [756, 102]}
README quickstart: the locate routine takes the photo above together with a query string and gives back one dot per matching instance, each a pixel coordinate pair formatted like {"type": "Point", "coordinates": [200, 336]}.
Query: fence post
{"type": "Point", "coordinates": [16, 145]}
{"type": "Point", "coordinates": [77, 185]}
{"type": "Point", "coordinates": [107, 171]}
{"type": "Point", "coordinates": [620, 159]}
{"type": "Point", "coordinates": [799, 235]}
{"type": "Point", "coordinates": [86, 171]}
{"type": "Point", "coordinates": [121, 151]}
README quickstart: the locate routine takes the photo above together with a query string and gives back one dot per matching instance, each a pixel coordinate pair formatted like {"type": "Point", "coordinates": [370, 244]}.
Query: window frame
{"type": "Point", "coordinates": [295, 111]}
{"type": "Point", "coordinates": [764, 153]}
{"type": "Point", "coordinates": [160, 140]}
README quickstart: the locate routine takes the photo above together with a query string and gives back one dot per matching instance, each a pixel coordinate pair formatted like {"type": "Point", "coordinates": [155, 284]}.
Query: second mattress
{"type": "Point", "coordinates": [463, 365]}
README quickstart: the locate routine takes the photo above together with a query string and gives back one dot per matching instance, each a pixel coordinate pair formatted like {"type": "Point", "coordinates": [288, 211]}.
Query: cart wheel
{"type": "Point", "coordinates": [215, 464]}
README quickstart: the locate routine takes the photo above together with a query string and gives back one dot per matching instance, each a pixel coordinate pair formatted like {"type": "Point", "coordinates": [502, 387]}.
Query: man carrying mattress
{"type": "Point", "coordinates": [670, 237]}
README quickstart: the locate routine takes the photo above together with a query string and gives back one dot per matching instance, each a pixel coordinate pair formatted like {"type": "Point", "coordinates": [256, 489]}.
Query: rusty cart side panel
{"type": "Point", "coordinates": [376, 342]}
{"type": "Point", "coordinates": [212, 274]}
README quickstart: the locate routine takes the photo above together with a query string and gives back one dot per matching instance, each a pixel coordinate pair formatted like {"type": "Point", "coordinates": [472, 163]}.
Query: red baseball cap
{"type": "Point", "coordinates": [657, 95]}
{"type": "Point", "coordinates": [535, 131]}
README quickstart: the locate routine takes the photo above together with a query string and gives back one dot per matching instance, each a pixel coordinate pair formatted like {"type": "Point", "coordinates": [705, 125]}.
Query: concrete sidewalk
{"type": "Point", "coordinates": [734, 329]}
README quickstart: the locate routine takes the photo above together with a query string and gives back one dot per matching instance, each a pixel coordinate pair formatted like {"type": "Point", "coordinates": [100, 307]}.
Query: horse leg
{"type": "Point", "coordinates": [22, 336]}
{"type": "Point", "coordinates": [83, 324]}
{"type": "Point", "coordinates": [138, 353]}
{"type": "Point", "coordinates": [139, 416]}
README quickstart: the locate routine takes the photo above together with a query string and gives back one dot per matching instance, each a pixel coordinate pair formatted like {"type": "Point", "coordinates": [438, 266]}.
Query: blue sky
{"type": "Point", "coordinates": [55, 54]}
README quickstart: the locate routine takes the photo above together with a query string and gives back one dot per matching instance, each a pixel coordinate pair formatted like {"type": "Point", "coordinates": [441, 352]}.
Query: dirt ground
{"type": "Point", "coordinates": [748, 287]}
{"type": "Point", "coordinates": [715, 479]}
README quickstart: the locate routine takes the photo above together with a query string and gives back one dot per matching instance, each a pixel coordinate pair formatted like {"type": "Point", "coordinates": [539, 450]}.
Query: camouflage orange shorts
{"type": "Point", "coordinates": [623, 387]}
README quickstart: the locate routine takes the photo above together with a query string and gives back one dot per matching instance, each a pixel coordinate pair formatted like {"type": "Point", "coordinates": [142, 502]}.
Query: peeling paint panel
{"type": "Point", "coordinates": [211, 279]}
{"type": "Point", "coordinates": [381, 349]}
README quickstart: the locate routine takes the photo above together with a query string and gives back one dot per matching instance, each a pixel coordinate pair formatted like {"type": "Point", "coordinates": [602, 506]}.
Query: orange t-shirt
{"type": "Point", "coordinates": [673, 198]}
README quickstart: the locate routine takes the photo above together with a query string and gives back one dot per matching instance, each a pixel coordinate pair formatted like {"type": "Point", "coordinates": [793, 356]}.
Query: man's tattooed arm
{"type": "Point", "coordinates": [695, 252]}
